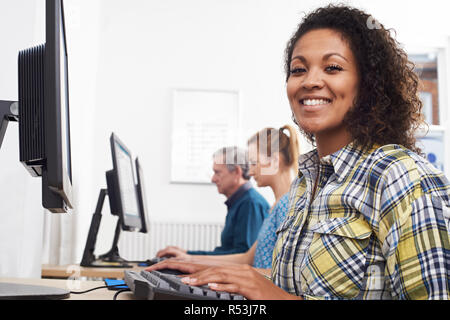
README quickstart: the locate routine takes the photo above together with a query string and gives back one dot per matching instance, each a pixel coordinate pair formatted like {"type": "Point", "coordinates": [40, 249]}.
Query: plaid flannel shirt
{"type": "Point", "coordinates": [378, 228]}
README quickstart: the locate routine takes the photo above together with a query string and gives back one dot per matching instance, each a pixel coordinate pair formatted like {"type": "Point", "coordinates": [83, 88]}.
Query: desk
{"type": "Point", "coordinates": [71, 285]}
{"type": "Point", "coordinates": [76, 271]}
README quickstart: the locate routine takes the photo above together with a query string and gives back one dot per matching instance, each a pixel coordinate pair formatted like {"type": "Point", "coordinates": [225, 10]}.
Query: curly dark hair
{"type": "Point", "coordinates": [387, 109]}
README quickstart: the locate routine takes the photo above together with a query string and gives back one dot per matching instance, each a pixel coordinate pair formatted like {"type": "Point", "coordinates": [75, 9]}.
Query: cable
{"type": "Point", "coordinates": [102, 287]}
{"type": "Point", "coordinates": [119, 292]}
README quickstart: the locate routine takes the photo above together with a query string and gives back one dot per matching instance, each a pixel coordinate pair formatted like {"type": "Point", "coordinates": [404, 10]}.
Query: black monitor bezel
{"type": "Point", "coordinates": [142, 199]}
{"type": "Point", "coordinates": [57, 171]}
{"type": "Point", "coordinates": [129, 222]}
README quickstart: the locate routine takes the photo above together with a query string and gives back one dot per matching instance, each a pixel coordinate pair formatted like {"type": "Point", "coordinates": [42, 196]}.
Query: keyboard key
{"type": "Point", "coordinates": [198, 291]}
{"type": "Point", "coordinates": [211, 294]}
{"type": "Point", "coordinates": [224, 295]}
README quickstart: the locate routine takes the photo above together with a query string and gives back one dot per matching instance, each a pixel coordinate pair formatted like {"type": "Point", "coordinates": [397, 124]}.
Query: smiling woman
{"type": "Point", "coordinates": [359, 204]}
{"type": "Point", "coordinates": [368, 217]}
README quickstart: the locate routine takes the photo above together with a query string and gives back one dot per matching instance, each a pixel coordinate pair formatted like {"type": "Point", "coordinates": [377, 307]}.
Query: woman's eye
{"type": "Point", "coordinates": [333, 68]}
{"type": "Point", "coordinates": [297, 70]}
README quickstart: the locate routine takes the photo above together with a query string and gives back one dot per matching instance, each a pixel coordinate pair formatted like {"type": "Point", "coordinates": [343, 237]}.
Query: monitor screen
{"type": "Point", "coordinates": [127, 200]}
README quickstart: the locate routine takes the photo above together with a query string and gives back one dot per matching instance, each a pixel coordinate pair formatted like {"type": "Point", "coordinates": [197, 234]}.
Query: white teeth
{"type": "Point", "coordinates": [315, 102]}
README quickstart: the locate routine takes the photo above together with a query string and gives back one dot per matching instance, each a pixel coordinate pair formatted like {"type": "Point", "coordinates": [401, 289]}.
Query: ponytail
{"type": "Point", "coordinates": [289, 146]}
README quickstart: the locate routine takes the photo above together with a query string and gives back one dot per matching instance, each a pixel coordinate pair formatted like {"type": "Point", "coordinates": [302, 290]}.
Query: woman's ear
{"type": "Point", "coordinates": [270, 165]}
{"type": "Point", "coordinates": [275, 160]}
{"type": "Point", "coordinates": [275, 157]}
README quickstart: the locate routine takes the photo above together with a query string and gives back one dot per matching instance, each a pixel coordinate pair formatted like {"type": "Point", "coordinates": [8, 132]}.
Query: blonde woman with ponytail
{"type": "Point", "coordinates": [273, 157]}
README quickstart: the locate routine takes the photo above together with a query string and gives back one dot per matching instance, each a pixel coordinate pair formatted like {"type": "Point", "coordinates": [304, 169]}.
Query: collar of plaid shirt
{"type": "Point", "coordinates": [378, 227]}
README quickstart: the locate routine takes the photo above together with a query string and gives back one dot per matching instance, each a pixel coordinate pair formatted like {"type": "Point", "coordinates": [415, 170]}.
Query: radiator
{"type": "Point", "coordinates": [189, 236]}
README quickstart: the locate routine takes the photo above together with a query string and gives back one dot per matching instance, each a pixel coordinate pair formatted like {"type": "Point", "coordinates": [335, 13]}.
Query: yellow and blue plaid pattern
{"type": "Point", "coordinates": [378, 227]}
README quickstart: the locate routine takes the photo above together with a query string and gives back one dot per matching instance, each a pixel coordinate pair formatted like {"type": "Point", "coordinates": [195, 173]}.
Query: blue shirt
{"type": "Point", "coordinates": [267, 236]}
{"type": "Point", "coordinates": [247, 210]}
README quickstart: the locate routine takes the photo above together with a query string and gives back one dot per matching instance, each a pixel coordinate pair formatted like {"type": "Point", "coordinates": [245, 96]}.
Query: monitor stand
{"type": "Point", "coordinates": [111, 259]}
{"type": "Point", "coordinates": [9, 111]}
{"type": "Point", "coordinates": [113, 256]}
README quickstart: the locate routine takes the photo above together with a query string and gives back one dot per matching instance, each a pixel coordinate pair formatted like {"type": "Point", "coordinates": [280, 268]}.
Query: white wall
{"type": "Point", "coordinates": [21, 214]}
{"type": "Point", "coordinates": [125, 57]}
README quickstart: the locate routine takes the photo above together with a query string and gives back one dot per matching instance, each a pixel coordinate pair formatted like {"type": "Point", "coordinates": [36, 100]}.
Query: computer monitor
{"type": "Point", "coordinates": [122, 193]}
{"type": "Point", "coordinates": [123, 202]}
{"type": "Point", "coordinates": [44, 129]}
{"type": "Point", "coordinates": [44, 121]}
{"type": "Point", "coordinates": [142, 199]}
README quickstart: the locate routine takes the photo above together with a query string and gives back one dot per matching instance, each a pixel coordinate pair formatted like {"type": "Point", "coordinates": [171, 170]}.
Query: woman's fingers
{"type": "Point", "coordinates": [239, 279]}
{"type": "Point", "coordinates": [243, 280]}
{"type": "Point", "coordinates": [231, 288]}
{"type": "Point", "coordinates": [177, 264]}
{"type": "Point", "coordinates": [233, 279]}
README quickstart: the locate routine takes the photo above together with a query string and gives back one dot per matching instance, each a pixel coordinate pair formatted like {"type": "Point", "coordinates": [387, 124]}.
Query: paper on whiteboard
{"type": "Point", "coordinates": [203, 122]}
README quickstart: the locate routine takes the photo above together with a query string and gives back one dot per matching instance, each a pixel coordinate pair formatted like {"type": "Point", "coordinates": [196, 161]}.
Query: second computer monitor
{"type": "Point", "coordinates": [121, 186]}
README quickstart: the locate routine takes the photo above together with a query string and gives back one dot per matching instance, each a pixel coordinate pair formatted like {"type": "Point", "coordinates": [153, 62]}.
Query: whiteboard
{"type": "Point", "coordinates": [202, 122]}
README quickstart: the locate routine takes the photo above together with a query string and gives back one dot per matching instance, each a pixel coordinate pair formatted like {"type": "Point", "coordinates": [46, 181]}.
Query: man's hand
{"type": "Point", "coordinates": [172, 252]}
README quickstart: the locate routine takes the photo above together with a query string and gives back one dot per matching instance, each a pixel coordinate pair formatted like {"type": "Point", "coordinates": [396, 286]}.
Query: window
{"type": "Point", "coordinates": [427, 69]}
{"type": "Point", "coordinates": [431, 71]}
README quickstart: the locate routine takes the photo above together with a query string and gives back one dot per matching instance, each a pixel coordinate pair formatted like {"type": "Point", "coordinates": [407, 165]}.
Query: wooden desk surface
{"type": "Point", "coordinates": [74, 285]}
{"type": "Point", "coordinates": [76, 271]}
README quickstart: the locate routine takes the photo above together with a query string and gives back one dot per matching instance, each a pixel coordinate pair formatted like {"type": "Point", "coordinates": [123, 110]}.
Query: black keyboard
{"type": "Point", "coordinates": [155, 285]}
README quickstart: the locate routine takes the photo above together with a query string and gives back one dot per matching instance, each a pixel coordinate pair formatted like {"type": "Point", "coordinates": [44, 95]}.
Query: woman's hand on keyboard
{"type": "Point", "coordinates": [180, 265]}
{"type": "Point", "coordinates": [240, 279]}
